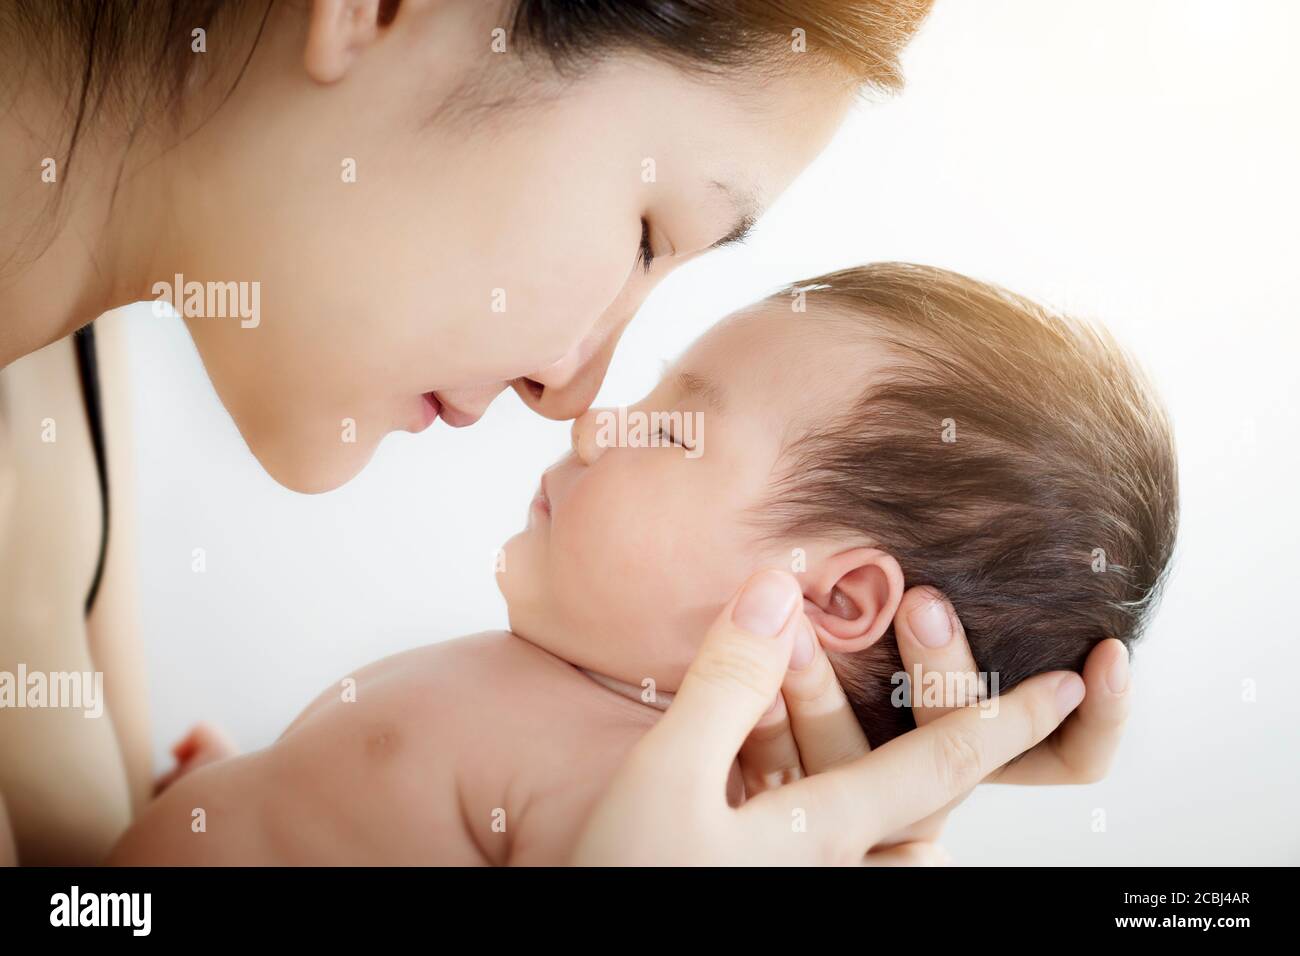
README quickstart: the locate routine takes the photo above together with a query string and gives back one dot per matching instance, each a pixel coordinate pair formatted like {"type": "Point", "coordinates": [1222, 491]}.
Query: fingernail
{"type": "Point", "coordinates": [802, 654]}
{"type": "Point", "coordinates": [1117, 676]}
{"type": "Point", "coordinates": [1068, 693]}
{"type": "Point", "coordinates": [930, 624]}
{"type": "Point", "coordinates": [765, 604]}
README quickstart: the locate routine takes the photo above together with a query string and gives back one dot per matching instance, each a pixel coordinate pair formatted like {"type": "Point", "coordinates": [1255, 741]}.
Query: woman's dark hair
{"type": "Point", "coordinates": [135, 57]}
{"type": "Point", "coordinates": [862, 37]}
{"type": "Point", "coordinates": [124, 57]}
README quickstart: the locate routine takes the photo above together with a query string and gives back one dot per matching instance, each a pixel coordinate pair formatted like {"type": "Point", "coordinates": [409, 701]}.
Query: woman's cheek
{"type": "Point", "coordinates": [539, 291]}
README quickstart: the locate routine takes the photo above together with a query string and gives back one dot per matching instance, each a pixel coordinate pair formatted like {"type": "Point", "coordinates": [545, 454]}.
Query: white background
{"type": "Point", "coordinates": [1130, 161]}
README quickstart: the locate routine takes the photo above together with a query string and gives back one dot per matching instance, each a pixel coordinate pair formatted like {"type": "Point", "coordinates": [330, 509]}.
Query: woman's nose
{"type": "Point", "coordinates": [572, 384]}
{"type": "Point", "coordinates": [561, 373]}
{"type": "Point", "coordinates": [586, 435]}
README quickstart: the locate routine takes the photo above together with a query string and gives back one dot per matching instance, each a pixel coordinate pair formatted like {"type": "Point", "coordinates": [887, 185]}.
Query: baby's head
{"type": "Point", "coordinates": [877, 428]}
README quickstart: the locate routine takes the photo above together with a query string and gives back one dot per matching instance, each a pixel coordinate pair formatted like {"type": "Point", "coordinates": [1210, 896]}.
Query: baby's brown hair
{"type": "Point", "coordinates": [1012, 458]}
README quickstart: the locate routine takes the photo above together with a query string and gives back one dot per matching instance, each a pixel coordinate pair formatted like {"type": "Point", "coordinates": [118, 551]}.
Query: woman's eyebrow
{"type": "Point", "coordinates": [692, 384]}
{"type": "Point", "coordinates": [747, 208]}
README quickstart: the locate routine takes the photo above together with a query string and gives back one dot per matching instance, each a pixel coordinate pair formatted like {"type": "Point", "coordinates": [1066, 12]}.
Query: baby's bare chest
{"type": "Point", "coordinates": [473, 751]}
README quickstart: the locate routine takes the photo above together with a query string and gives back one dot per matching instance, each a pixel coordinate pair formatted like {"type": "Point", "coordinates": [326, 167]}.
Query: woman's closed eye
{"type": "Point", "coordinates": [645, 255]}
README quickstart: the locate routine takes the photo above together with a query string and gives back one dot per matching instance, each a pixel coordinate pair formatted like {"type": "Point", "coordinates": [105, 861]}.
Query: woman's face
{"type": "Point", "coordinates": [437, 223]}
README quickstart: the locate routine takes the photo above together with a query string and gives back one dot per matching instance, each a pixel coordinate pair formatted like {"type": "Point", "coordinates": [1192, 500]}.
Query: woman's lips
{"type": "Point", "coordinates": [453, 416]}
{"type": "Point", "coordinates": [435, 408]}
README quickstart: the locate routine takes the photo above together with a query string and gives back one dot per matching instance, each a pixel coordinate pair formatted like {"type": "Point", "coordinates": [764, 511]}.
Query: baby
{"type": "Point", "coordinates": [878, 428]}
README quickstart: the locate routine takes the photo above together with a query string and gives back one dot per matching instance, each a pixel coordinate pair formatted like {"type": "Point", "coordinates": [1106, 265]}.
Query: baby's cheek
{"type": "Point", "coordinates": [618, 544]}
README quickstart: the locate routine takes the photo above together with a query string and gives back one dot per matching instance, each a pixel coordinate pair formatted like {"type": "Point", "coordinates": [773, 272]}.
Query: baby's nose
{"type": "Point", "coordinates": [586, 433]}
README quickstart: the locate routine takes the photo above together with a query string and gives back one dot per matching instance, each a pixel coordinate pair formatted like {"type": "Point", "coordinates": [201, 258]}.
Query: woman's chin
{"type": "Point", "coordinates": [312, 471]}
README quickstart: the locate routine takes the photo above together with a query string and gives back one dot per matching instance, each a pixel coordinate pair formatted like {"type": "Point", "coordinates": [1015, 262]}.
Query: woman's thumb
{"type": "Point", "coordinates": [736, 675]}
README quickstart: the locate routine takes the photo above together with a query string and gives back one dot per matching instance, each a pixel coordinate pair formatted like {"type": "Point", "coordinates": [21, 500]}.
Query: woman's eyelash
{"type": "Point", "coordinates": [645, 255]}
{"type": "Point", "coordinates": [668, 436]}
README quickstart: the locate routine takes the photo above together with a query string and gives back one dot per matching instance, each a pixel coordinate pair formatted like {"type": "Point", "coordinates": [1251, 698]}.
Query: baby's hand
{"type": "Point", "coordinates": [204, 744]}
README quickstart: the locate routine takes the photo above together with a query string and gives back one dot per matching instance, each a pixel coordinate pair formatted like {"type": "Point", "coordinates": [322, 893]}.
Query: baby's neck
{"type": "Point", "coordinates": [651, 697]}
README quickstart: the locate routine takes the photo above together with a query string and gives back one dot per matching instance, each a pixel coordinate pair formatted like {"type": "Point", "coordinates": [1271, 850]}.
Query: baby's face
{"type": "Point", "coordinates": [630, 552]}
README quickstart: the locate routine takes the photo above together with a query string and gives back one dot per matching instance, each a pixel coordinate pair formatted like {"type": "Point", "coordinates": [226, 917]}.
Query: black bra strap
{"type": "Point", "coordinates": [88, 367]}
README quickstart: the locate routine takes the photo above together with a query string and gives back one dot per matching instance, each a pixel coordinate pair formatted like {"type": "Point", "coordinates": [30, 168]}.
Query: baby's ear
{"type": "Point", "coordinates": [851, 598]}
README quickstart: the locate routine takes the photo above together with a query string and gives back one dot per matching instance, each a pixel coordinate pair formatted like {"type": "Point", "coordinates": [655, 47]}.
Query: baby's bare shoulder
{"type": "Point", "coordinates": [431, 677]}
{"type": "Point", "coordinates": [429, 754]}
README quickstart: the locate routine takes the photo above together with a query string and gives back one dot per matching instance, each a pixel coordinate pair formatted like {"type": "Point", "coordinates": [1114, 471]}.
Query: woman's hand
{"type": "Point", "coordinates": [667, 805]}
{"type": "Point", "coordinates": [931, 637]}
{"type": "Point", "coordinates": [812, 728]}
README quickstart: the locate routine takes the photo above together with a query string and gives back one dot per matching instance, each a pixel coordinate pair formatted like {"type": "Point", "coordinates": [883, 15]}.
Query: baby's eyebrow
{"type": "Point", "coordinates": [692, 384]}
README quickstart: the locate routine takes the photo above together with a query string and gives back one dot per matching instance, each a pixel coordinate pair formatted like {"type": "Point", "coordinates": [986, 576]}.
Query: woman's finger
{"type": "Point", "coordinates": [932, 643]}
{"type": "Point", "coordinates": [826, 731]}
{"type": "Point", "coordinates": [770, 757]}
{"type": "Point", "coordinates": [942, 673]}
{"type": "Point", "coordinates": [924, 831]}
{"type": "Point", "coordinates": [939, 762]}
{"type": "Point", "coordinates": [1082, 750]}
{"type": "Point", "coordinates": [936, 656]}
{"type": "Point", "coordinates": [918, 853]}
{"type": "Point", "coordinates": [667, 803]}
{"type": "Point", "coordinates": [732, 681]}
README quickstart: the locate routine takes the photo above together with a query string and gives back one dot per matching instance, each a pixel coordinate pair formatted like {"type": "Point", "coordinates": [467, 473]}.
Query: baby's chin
{"type": "Point", "coordinates": [540, 616]}
{"type": "Point", "coordinates": [523, 592]}
{"type": "Point", "coordinates": [532, 628]}
{"type": "Point", "coordinates": [534, 620]}
{"type": "Point", "coordinates": [516, 572]}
